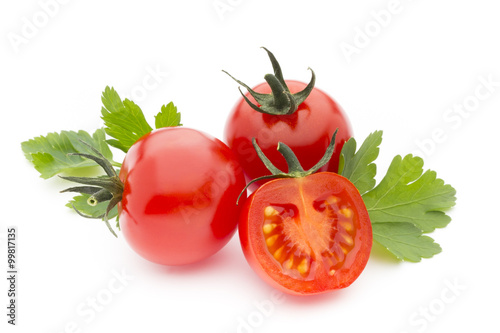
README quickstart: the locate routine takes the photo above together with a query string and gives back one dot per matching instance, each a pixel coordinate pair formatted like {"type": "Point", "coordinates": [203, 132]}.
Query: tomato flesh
{"type": "Point", "coordinates": [307, 235]}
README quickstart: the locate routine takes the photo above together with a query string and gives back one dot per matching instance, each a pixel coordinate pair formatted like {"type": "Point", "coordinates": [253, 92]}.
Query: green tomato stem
{"type": "Point", "coordinates": [280, 101]}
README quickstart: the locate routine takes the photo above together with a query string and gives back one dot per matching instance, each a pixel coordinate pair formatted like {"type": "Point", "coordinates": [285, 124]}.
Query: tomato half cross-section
{"type": "Point", "coordinates": [293, 112]}
{"type": "Point", "coordinates": [306, 233]}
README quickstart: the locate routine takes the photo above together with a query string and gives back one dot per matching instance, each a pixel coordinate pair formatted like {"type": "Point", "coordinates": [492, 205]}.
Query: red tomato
{"type": "Point", "coordinates": [180, 189]}
{"type": "Point", "coordinates": [307, 131]}
{"type": "Point", "coordinates": [306, 235]}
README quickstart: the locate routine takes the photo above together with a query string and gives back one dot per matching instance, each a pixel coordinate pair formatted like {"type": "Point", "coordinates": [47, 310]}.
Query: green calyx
{"type": "Point", "coordinates": [101, 189]}
{"type": "Point", "coordinates": [280, 101]}
{"type": "Point", "coordinates": [295, 169]}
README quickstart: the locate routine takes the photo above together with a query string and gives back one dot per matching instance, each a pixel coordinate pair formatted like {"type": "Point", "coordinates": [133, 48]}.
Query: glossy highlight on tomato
{"type": "Point", "coordinates": [306, 235]}
{"type": "Point", "coordinates": [180, 189]}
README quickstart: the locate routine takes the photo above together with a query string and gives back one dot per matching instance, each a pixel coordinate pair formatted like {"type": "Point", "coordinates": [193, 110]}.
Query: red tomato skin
{"type": "Point", "coordinates": [307, 132]}
{"type": "Point", "coordinates": [262, 262]}
{"type": "Point", "coordinates": [180, 190]}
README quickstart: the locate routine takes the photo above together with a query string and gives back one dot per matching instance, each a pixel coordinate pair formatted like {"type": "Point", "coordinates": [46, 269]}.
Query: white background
{"type": "Point", "coordinates": [425, 59]}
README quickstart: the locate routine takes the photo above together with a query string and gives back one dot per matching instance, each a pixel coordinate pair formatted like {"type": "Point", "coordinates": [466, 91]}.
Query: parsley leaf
{"type": "Point", "coordinates": [358, 166]}
{"type": "Point", "coordinates": [407, 202]}
{"type": "Point", "coordinates": [407, 195]}
{"type": "Point", "coordinates": [49, 154]}
{"type": "Point", "coordinates": [124, 120]}
{"type": "Point", "coordinates": [405, 241]}
{"type": "Point", "coordinates": [168, 116]}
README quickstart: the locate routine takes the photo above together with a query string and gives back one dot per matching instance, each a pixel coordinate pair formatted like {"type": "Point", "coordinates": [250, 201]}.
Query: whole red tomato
{"type": "Point", "coordinates": [306, 130]}
{"type": "Point", "coordinates": [179, 192]}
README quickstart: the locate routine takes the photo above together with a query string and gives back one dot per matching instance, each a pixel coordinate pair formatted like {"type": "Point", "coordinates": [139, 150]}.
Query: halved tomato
{"type": "Point", "coordinates": [306, 235]}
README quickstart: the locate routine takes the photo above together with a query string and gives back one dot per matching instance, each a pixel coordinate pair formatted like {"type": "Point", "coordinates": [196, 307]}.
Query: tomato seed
{"type": "Point", "coordinates": [303, 267]}
{"type": "Point", "coordinates": [347, 225]}
{"type": "Point", "coordinates": [331, 200]}
{"type": "Point", "coordinates": [347, 212]}
{"type": "Point", "coordinates": [271, 240]}
{"type": "Point", "coordinates": [270, 211]}
{"type": "Point", "coordinates": [289, 263]}
{"type": "Point", "coordinates": [278, 253]}
{"type": "Point", "coordinates": [268, 228]}
{"type": "Point", "coordinates": [347, 239]}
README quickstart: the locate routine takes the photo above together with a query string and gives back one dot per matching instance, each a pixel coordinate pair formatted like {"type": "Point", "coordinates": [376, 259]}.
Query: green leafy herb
{"type": "Point", "coordinates": [168, 117]}
{"type": "Point", "coordinates": [405, 204]}
{"type": "Point", "coordinates": [405, 240]}
{"type": "Point", "coordinates": [407, 195]}
{"type": "Point", "coordinates": [124, 120]}
{"type": "Point", "coordinates": [358, 166]}
{"type": "Point", "coordinates": [49, 154]}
